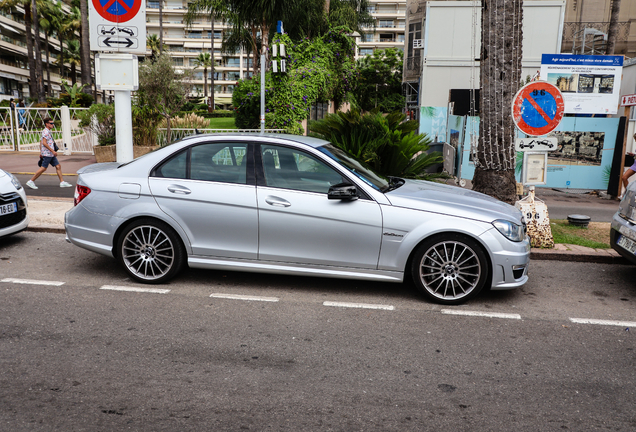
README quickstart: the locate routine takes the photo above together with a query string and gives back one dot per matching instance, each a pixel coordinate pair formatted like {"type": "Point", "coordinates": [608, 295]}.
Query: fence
{"type": "Point", "coordinates": [23, 130]}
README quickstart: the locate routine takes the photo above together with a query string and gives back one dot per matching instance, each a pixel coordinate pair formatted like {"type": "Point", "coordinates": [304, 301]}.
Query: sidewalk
{"type": "Point", "coordinates": [47, 214]}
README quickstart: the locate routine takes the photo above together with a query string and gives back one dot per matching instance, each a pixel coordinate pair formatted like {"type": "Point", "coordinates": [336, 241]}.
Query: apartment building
{"type": "Point", "coordinates": [390, 16]}
{"type": "Point", "coordinates": [184, 44]}
{"type": "Point", "coordinates": [14, 68]}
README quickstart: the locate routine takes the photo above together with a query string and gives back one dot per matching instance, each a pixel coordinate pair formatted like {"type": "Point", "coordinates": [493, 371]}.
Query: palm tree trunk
{"type": "Point", "coordinates": [613, 27]}
{"type": "Point", "coordinates": [61, 39]}
{"type": "Point", "coordinates": [205, 84]}
{"type": "Point", "coordinates": [39, 75]}
{"type": "Point", "coordinates": [85, 47]}
{"type": "Point", "coordinates": [28, 23]}
{"type": "Point", "coordinates": [160, 26]}
{"type": "Point", "coordinates": [73, 74]}
{"type": "Point", "coordinates": [211, 101]}
{"type": "Point", "coordinates": [500, 75]}
{"type": "Point", "coordinates": [48, 68]}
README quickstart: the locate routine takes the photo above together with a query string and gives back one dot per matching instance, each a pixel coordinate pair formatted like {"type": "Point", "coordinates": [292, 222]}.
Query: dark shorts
{"type": "Point", "coordinates": [46, 160]}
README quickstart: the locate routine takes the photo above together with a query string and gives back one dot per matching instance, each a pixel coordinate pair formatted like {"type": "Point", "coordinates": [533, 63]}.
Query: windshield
{"type": "Point", "coordinates": [361, 171]}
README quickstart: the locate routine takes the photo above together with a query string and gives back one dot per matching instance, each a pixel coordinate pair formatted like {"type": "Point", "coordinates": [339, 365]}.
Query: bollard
{"type": "Point", "coordinates": [537, 219]}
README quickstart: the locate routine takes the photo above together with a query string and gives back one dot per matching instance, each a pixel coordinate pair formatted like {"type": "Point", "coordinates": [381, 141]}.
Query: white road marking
{"type": "Point", "coordinates": [244, 297]}
{"type": "Point", "coordinates": [32, 282]}
{"type": "Point", "coordinates": [135, 289]}
{"type": "Point", "coordinates": [358, 305]}
{"type": "Point", "coordinates": [603, 322]}
{"type": "Point", "coordinates": [481, 314]}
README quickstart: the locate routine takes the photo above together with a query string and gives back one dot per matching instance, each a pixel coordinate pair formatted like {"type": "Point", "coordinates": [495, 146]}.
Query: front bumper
{"type": "Point", "coordinates": [622, 227]}
{"type": "Point", "coordinates": [510, 260]}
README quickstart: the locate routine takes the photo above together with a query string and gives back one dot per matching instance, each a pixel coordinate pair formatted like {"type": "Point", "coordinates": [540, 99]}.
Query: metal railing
{"type": "Point", "coordinates": [22, 130]}
{"type": "Point", "coordinates": [570, 29]}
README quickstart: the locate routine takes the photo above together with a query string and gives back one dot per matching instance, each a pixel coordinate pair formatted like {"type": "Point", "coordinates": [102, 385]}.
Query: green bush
{"type": "Point", "coordinates": [388, 144]}
{"type": "Point", "coordinates": [104, 127]}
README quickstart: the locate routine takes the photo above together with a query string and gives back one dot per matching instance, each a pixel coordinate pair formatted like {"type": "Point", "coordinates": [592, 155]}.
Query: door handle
{"type": "Point", "coordinates": [277, 202]}
{"type": "Point", "coordinates": [179, 190]}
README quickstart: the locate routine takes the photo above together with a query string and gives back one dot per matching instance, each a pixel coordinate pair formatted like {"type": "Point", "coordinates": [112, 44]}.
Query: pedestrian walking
{"type": "Point", "coordinates": [48, 155]}
{"type": "Point", "coordinates": [21, 114]}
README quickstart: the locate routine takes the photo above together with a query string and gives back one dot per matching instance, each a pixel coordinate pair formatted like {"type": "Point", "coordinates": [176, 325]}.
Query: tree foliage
{"type": "Point", "coordinates": [380, 81]}
{"type": "Point", "coordinates": [318, 70]}
{"type": "Point", "coordinates": [387, 143]}
{"type": "Point", "coordinates": [162, 90]}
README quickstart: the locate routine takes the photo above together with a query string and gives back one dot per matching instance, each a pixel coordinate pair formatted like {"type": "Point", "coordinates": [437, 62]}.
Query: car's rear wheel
{"type": "Point", "coordinates": [449, 269]}
{"type": "Point", "coordinates": [150, 251]}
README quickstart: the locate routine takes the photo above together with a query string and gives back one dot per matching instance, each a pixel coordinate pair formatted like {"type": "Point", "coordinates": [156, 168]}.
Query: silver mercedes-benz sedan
{"type": "Point", "coordinates": [294, 205]}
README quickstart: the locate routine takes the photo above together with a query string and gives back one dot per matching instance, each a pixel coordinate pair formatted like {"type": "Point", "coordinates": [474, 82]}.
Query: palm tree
{"type": "Point", "coordinates": [160, 26]}
{"type": "Point", "coordinates": [500, 75]}
{"type": "Point", "coordinates": [49, 21]}
{"type": "Point", "coordinates": [216, 9]}
{"type": "Point", "coordinates": [72, 26]}
{"type": "Point", "coordinates": [204, 60]}
{"type": "Point", "coordinates": [73, 57]}
{"type": "Point", "coordinates": [9, 6]}
{"type": "Point", "coordinates": [613, 26]}
{"type": "Point", "coordinates": [154, 43]}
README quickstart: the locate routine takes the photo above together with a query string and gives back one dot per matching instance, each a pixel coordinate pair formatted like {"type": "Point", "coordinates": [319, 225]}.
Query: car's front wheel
{"type": "Point", "coordinates": [150, 251]}
{"type": "Point", "coordinates": [449, 268]}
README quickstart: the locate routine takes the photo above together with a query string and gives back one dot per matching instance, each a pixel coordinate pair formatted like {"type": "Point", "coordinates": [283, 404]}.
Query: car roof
{"type": "Point", "coordinates": [310, 141]}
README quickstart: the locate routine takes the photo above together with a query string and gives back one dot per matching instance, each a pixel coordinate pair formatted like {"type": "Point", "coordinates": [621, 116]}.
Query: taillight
{"type": "Point", "coordinates": [81, 192]}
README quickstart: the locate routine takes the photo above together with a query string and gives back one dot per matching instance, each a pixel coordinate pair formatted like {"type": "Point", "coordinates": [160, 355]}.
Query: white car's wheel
{"type": "Point", "coordinates": [449, 268]}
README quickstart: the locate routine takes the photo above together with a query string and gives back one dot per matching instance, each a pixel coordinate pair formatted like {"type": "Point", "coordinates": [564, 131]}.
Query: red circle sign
{"type": "Point", "coordinates": [538, 108]}
{"type": "Point", "coordinates": [117, 11]}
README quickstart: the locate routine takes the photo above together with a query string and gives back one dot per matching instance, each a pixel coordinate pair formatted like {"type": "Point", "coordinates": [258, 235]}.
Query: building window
{"type": "Point", "coordinates": [386, 24]}
{"type": "Point", "coordinates": [400, 38]}
{"type": "Point", "coordinates": [233, 62]}
{"type": "Point", "coordinates": [366, 51]}
{"type": "Point", "coordinates": [233, 76]}
{"type": "Point", "coordinates": [153, 4]}
{"type": "Point", "coordinates": [194, 35]}
{"type": "Point", "coordinates": [386, 37]}
{"type": "Point", "coordinates": [367, 37]}
{"type": "Point", "coordinates": [415, 37]}
{"type": "Point", "coordinates": [177, 61]}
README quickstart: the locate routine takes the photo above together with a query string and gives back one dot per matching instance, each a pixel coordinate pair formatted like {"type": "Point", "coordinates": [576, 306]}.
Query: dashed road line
{"type": "Point", "coordinates": [244, 297]}
{"type": "Point", "coordinates": [359, 305]}
{"type": "Point", "coordinates": [135, 289]}
{"type": "Point", "coordinates": [481, 314]}
{"type": "Point", "coordinates": [603, 322]}
{"type": "Point", "coordinates": [32, 282]}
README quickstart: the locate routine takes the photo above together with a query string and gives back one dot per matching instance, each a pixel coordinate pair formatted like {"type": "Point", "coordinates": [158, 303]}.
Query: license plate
{"type": "Point", "coordinates": [627, 244]}
{"type": "Point", "coordinates": [8, 208]}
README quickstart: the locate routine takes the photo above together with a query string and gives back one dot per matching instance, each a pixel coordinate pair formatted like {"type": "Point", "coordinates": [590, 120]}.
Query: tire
{"type": "Point", "coordinates": [150, 251]}
{"type": "Point", "coordinates": [449, 269]}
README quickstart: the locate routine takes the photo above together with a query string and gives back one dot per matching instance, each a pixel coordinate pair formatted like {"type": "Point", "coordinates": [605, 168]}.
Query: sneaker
{"type": "Point", "coordinates": [31, 184]}
{"type": "Point", "coordinates": [65, 184]}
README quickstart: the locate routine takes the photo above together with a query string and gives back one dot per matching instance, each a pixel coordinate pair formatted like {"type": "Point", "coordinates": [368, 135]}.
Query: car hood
{"type": "Point", "coordinates": [451, 200]}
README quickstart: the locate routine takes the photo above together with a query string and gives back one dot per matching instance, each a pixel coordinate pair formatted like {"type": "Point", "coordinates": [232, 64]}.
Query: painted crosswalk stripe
{"type": "Point", "coordinates": [359, 305]}
{"type": "Point", "coordinates": [135, 289]}
{"type": "Point", "coordinates": [481, 314]}
{"type": "Point", "coordinates": [244, 297]}
{"type": "Point", "coordinates": [603, 322]}
{"type": "Point", "coordinates": [32, 282]}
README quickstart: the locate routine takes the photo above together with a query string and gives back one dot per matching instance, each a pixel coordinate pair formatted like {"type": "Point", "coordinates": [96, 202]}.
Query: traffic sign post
{"type": "Point", "coordinates": [537, 109]}
{"type": "Point", "coordinates": [118, 27]}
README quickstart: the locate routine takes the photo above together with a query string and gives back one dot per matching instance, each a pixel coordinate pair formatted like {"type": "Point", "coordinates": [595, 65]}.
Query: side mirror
{"type": "Point", "coordinates": [343, 191]}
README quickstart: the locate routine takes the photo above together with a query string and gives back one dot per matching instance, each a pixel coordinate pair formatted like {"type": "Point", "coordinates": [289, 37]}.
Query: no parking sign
{"type": "Point", "coordinates": [538, 108]}
{"type": "Point", "coordinates": [117, 25]}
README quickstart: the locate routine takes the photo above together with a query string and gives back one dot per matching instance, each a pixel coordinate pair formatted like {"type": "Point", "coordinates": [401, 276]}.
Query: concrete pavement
{"type": "Point", "coordinates": [48, 204]}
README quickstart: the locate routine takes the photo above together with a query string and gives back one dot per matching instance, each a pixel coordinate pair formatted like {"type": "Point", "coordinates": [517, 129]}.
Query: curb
{"type": "Point", "coordinates": [45, 229]}
{"type": "Point", "coordinates": [609, 257]}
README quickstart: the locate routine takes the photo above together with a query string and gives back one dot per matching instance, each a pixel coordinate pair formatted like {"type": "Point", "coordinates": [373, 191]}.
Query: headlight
{"type": "Point", "coordinates": [510, 230]}
{"type": "Point", "coordinates": [15, 181]}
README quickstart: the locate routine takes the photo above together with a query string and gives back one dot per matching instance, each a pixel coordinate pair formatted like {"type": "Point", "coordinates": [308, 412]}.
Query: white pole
{"type": "Point", "coordinates": [67, 137]}
{"type": "Point", "coordinates": [123, 126]}
{"type": "Point", "coordinates": [263, 93]}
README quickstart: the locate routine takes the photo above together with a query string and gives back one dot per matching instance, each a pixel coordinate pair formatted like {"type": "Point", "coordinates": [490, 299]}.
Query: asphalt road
{"type": "Point", "coordinates": [48, 185]}
{"type": "Point", "coordinates": [85, 356]}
